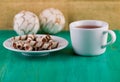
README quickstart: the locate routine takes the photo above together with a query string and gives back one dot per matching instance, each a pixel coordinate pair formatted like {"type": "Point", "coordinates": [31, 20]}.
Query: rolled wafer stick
{"type": "Point", "coordinates": [45, 46]}
{"type": "Point", "coordinates": [27, 47]}
{"type": "Point", "coordinates": [35, 48]}
{"type": "Point", "coordinates": [50, 40]}
{"type": "Point", "coordinates": [54, 44]}
{"type": "Point", "coordinates": [41, 39]}
{"type": "Point", "coordinates": [32, 36]}
{"type": "Point", "coordinates": [50, 46]}
{"type": "Point", "coordinates": [38, 44]}
{"type": "Point", "coordinates": [33, 43]}
{"type": "Point", "coordinates": [23, 37]}
{"type": "Point", "coordinates": [47, 37]}
{"type": "Point", "coordinates": [29, 39]}
{"type": "Point", "coordinates": [19, 46]}
{"type": "Point", "coordinates": [16, 38]}
{"type": "Point", "coordinates": [14, 44]}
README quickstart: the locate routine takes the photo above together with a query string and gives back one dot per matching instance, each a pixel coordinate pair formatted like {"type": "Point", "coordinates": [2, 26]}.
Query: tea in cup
{"type": "Point", "coordinates": [89, 37]}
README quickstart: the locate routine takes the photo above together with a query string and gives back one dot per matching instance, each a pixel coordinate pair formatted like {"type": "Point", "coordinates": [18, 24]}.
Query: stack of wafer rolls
{"type": "Point", "coordinates": [34, 43]}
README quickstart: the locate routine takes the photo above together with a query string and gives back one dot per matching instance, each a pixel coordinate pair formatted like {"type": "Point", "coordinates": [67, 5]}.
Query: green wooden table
{"type": "Point", "coordinates": [61, 66]}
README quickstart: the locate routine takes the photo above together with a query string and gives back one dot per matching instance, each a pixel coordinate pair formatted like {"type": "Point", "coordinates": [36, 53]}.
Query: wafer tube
{"type": "Point", "coordinates": [23, 37]}
{"type": "Point", "coordinates": [54, 44]}
{"type": "Point", "coordinates": [38, 44]}
{"type": "Point", "coordinates": [39, 39]}
{"type": "Point", "coordinates": [14, 44]}
{"type": "Point", "coordinates": [17, 38]}
{"type": "Point", "coordinates": [19, 46]}
{"type": "Point", "coordinates": [29, 39]}
{"type": "Point", "coordinates": [35, 48]}
{"type": "Point", "coordinates": [47, 37]}
{"type": "Point", "coordinates": [27, 47]}
{"type": "Point", "coordinates": [32, 36]}
{"type": "Point", "coordinates": [33, 43]}
{"type": "Point", "coordinates": [50, 46]}
{"type": "Point", "coordinates": [45, 46]}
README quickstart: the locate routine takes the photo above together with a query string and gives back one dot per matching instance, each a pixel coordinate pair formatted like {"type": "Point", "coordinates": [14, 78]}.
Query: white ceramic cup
{"type": "Point", "coordinates": [90, 42]}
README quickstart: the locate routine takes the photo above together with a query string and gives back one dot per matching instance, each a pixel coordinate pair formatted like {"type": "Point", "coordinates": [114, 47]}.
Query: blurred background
{"type": "Point", "coordinates": [106, 10]}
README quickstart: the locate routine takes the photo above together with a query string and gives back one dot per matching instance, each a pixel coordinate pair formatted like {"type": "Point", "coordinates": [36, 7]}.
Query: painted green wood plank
{"type": "Point", "coordinates": [61, 66]}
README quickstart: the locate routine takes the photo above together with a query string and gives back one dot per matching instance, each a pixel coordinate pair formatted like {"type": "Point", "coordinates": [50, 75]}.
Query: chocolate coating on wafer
{"type": "Point", "coordinates": [34, 43]}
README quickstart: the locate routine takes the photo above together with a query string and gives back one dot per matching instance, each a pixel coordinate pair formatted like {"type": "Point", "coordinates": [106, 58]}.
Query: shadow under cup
{"type": "Point", "coordinates": [89, 37]}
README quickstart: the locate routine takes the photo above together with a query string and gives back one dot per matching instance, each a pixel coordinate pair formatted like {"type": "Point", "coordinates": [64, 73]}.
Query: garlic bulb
{"type": "Point", "coordinates": [52, 20]}
{"type": "Point", "coordinates": [26, 22]}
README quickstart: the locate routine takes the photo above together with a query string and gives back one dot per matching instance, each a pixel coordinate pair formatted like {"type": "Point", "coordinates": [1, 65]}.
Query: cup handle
{"type": "Point", "coordinates": [113, 38]}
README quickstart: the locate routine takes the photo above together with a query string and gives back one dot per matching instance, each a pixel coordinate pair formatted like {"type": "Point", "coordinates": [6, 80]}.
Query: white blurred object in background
{"type": "Point", "coordinates": [52, 20]}
{"type": "Point", "coordinates": [26, 22]}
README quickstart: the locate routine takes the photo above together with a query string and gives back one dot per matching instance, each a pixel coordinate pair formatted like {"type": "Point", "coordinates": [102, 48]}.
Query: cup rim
{"type": "Point", "coordinates": [103, 26]}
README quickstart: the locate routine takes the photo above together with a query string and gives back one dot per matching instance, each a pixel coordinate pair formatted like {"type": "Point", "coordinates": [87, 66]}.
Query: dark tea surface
{"type": "Point", "coordinates": [88, 26]}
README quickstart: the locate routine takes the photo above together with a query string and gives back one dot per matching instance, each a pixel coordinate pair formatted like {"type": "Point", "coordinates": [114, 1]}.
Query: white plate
{"type": "Point", "coordinates": [62, 44]}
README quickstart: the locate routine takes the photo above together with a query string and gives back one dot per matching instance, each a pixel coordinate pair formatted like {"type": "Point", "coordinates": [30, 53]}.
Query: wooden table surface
{"type": "Point", "coordinates": [60, 66]}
